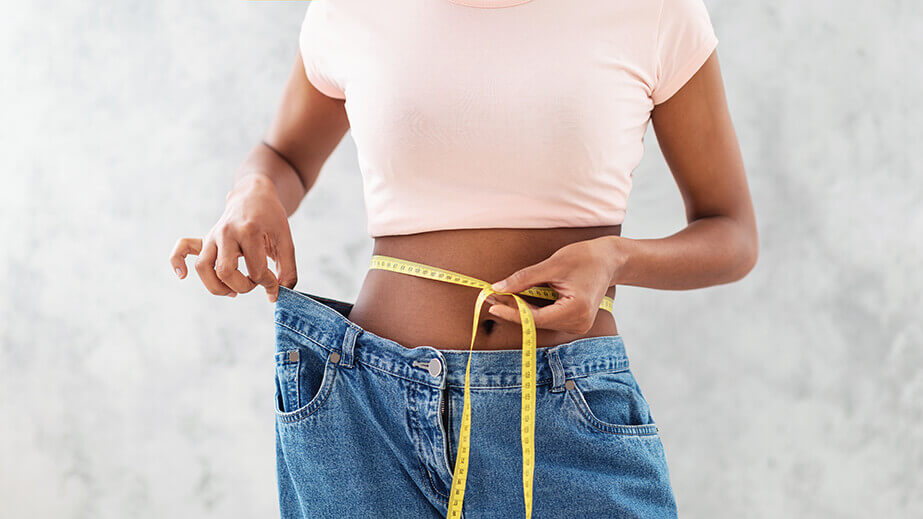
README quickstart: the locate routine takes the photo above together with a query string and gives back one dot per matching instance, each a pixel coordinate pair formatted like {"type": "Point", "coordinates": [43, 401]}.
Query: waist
{"type": "Point", "coordinates": [320, 322]}
{"type": "Point", "coordinates": [422, 312]}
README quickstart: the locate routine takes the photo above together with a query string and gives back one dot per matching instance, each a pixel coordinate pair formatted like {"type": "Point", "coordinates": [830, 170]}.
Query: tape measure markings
{"type": "Point", "coordinates": [421, 270]}
{"type": "Point", "coordinates": [527, 423]}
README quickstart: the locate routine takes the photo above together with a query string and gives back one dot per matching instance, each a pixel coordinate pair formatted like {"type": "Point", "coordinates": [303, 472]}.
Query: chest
{"type": "Point", "coordinates": [431, 73]}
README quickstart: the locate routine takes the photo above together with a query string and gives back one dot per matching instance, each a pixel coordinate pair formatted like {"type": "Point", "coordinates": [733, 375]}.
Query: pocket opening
{"type": "Point", "coordinates": [309, 403]}
{"type": "Point", "coordinates": [612, 402]}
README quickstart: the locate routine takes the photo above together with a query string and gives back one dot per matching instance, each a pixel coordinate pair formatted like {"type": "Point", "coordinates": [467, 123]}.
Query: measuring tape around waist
{"type": "Point", "coordinates": [527, 431]}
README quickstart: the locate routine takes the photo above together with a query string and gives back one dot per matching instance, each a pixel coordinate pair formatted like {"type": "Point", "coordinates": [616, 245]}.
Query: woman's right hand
{"type": "Point", "coordinates": [254, 225]}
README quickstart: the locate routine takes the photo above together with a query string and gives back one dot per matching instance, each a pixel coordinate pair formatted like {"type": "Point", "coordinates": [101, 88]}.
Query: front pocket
{"type": "Point", "coordinates": [304, 379]}
{"type": "Point", "coordinates": [287, 368]}
{"type": "Point", "coordinates": [612, 402]}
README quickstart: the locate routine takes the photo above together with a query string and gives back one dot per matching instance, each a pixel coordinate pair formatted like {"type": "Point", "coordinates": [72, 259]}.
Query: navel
{"type": "Point", "coordinates": [488, 325]}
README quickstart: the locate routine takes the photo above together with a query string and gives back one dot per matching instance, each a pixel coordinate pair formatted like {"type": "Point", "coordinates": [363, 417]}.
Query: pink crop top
{"type": "Point", "coordinates": [500, 113]}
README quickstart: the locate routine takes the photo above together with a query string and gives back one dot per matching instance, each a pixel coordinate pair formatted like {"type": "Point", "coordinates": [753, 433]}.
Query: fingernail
{"type": "Point", "coordinates": [179, 272]}
{"type": "Point", "coordinates": [491, 310]}
{"type": "Point", "coordinates": [498, 286]}
{"type": "Point", "coordinates": [232, 294]}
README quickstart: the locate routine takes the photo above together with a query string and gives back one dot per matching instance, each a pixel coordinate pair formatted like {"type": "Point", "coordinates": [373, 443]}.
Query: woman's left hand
{"type": "Point", "coordinates": [580, 273]}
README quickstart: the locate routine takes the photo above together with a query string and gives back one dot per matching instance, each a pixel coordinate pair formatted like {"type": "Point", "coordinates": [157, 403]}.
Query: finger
{"type": "Point", "coordinates": [255, 251]}
{"type": "Point", "coordinates": [285, 261]}
{"type": "Point", "coordinates": [509, 312]}
{"type": "Point", "coordinates": [205, 267]}
{"type": "Point", "coordinates": [497, 298]}
{"type": "Point", "coordinates": [542, 272]}
{"type": "Point", "coordinates": [562, 315]}
{"type": "Point", "coordinates": [227, 266]}
{"type": "Point", "coordinates": [183, 248]}
{"type": "Point", "coordinates": [566, 314]}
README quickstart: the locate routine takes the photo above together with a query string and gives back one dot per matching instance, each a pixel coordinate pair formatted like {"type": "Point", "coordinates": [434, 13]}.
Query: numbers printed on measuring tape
{"type": "Point", "coordinates": [527, 429]}
{"type": "Point", "coordinates": [420, 270]}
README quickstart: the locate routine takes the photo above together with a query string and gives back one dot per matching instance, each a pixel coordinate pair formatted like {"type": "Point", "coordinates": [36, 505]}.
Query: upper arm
{"type": "Point", "coordinates": [307, 125]}
{"type": "Point", "coordinates": [698, 142]}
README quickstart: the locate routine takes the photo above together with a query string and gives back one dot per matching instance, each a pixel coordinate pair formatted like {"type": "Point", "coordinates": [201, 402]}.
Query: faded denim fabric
{"type": "Point", "coordinates": [361, 426]}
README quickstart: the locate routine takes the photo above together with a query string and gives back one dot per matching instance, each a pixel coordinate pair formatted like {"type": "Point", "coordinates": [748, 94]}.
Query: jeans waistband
{"type": "Point", "coordinates": [323, 321]}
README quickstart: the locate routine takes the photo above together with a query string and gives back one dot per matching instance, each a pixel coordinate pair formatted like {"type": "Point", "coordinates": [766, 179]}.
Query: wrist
{"type": "Point", "coordinates": [618, 251]}
{"type": "Point", "coordinates": [251, 183]}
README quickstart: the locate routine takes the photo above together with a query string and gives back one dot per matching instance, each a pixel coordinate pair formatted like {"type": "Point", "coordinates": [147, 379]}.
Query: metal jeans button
{"type": "Point", "coordinates": [435, 367]}
{"type": "Point", "coordinates": [335, 357]}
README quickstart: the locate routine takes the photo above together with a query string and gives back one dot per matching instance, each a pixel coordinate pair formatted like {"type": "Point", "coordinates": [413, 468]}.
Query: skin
{"type": "Point", "coordinates": [719, 244]}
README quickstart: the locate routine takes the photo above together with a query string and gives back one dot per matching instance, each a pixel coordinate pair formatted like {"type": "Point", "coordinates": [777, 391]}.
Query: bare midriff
{"type": "Point", "coordinates": [416, 311]}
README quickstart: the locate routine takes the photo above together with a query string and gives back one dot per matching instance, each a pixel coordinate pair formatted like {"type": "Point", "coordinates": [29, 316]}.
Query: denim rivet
{"type": "Point", "coordinates": [335, 357]}
{"type": "Point", "coordinates": [293, 356]}
{"type": "Point", "coordinates": [435, 367]}
{"type": "Point", "coordinates": [569, 384]}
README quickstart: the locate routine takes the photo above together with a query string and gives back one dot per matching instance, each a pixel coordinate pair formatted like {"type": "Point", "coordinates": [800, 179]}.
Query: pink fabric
{"type": "Point", "coordinates": [500, 113]}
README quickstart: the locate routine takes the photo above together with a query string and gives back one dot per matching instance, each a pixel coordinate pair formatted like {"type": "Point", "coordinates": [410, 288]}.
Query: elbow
{"type": "Point", "coordinates": [747, 255]}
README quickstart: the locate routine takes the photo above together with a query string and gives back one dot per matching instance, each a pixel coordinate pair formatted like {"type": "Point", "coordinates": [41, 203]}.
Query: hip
{"type": "Point", "coordinates": [362, 416]}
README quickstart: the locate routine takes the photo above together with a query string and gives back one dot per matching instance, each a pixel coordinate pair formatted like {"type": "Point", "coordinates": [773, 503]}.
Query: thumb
{"type": "Point", "coordinates": [285, 262]}
{"type": "Point", "coordinates": [526, 278]}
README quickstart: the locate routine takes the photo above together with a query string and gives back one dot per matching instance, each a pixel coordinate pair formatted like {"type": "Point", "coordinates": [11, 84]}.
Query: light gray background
{"type": "Point", "coordinates": [797, 392]}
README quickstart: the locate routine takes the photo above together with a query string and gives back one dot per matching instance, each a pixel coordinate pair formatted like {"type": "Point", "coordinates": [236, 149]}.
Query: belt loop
{"type": "Point", "coordinates": [349, 344]}
{"type": "Point", "coordinates": [557, 370]}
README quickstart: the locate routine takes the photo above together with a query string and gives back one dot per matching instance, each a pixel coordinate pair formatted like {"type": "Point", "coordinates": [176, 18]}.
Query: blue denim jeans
{"type": "Point", "coordinates": [366, 427]}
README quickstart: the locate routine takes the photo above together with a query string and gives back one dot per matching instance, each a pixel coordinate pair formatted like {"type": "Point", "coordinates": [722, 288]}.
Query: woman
{"type": "Point", "coordinates": [496, 140]}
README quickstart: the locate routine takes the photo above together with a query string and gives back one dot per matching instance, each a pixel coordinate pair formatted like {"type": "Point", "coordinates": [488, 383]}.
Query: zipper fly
{"type": "Point", "coordinates": [444, 425]}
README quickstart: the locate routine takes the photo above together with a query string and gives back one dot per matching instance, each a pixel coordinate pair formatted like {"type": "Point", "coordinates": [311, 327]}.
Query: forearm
{"type": "Point", "coordinates": [262, 168]}
{"type": "Point", "coordinates": [709, 251]}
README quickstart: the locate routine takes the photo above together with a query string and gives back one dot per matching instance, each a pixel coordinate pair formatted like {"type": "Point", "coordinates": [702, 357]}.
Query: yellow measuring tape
{"type": "Point", "coordinates": [457, 494]}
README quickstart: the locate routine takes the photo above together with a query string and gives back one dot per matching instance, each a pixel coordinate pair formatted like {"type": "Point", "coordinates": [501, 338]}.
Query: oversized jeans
{"type": "Point", "coordinates": [367, 428]}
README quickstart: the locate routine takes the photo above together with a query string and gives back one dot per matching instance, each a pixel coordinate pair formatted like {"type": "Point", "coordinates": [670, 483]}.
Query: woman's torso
{"type": "Point", "coordinates": [415, 311]}
{"type": "Point", "coordinates": [490, 138]}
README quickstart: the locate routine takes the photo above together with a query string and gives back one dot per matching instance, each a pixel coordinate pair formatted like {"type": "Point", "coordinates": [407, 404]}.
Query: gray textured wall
{"type": "Point", "coordinates": [126, 393]}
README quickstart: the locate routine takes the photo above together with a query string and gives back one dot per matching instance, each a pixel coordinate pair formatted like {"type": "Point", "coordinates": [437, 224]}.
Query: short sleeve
{"type": "Point", "coordinates": [317, 51]}
{"type": "Point", "coordinates": [685, 40]}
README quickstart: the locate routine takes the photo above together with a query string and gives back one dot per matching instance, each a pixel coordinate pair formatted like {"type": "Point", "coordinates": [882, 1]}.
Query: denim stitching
{"type": "Point", "coordinates": [299, 332]}
{"type": "Point", "coordinates": [621, 364]}
{"type": "Point", "coordinates": [333, 313]}
{"type": "Point", "coordinates": [543, 381]}
{"type": "Point", "coordinates": [421, 457]}
{"type": "Point", "coordinates": [538, 382]}
{"type": "Point", "coordinates": [415, 426]}
{"type": "Point", "coordinates": [297, 377]}
{"type": "Point", "coordinates": [433, 384]}
{"type": "Point", "coordinates": [450, 463]}
{"type": "Point", "coordinates": [284, 365]}
{"type": "Point", "coordinates": [402, 377]}
{"type": "Point", "coordinates": [314, 405]}
{"type": "Point", "coordinates": [429, 478]}
{"type": "Point", "coordinates": [616, 429]}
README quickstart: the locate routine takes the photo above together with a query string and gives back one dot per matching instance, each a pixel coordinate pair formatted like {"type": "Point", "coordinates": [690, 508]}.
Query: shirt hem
{"type": "Point", "coordinates": [618, 219]}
